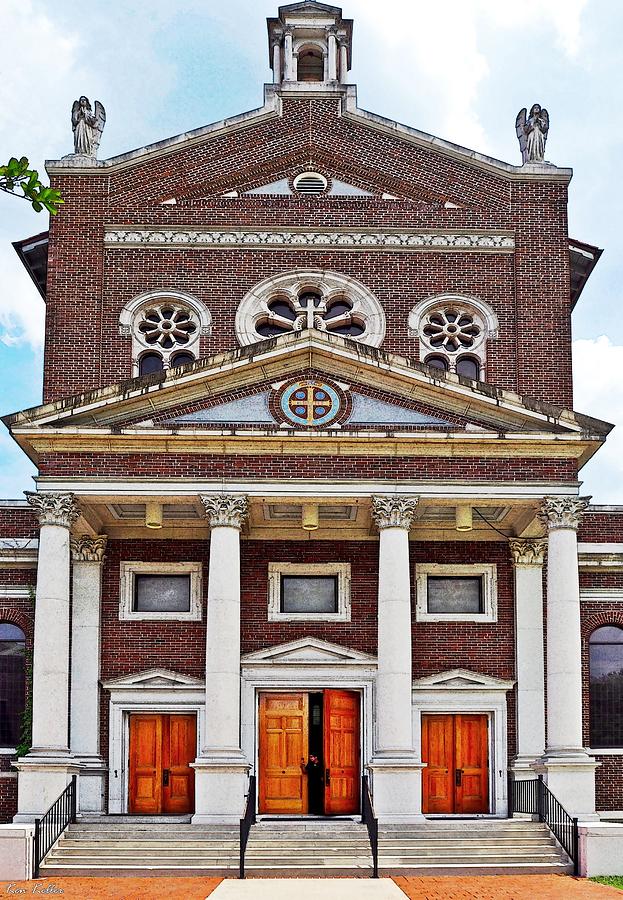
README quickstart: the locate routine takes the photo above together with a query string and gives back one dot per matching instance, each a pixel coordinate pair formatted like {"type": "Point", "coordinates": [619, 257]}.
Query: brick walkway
{"type": "Point", "coordinates": [506, 887]}
{"type": "Point", "coordinates": [499, 887]}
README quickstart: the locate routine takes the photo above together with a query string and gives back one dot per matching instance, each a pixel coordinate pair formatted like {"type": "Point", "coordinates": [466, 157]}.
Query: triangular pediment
{"type": "Point", "coordinates": [307, 651]}
{"type": "Point", "coordinates": [150, 679]}
{"type": "Point", "coordinates": [462, 679]}
{"type": "Point", "coordinates": [431, 398]}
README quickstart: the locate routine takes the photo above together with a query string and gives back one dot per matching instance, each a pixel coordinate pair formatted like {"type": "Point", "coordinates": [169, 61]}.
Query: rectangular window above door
{"type": "Point", "coordinates": [311, 592]}
{"type": "Point", "coordinates": [157, 591]}
{"type": "Point", "coordinates": [447, 592]}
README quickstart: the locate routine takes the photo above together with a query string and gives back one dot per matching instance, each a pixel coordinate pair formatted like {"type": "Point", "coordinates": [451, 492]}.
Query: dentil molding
{"type": "Point", "coordinates": [393, 511]}
{"type": "Point", "coordinates": [367, 240]}
{"type": "Point", "coordinates": [88, 549]}
{"type": "Point", "coordinates": [54, 509]}
{"type": "Point", "coordinates": [563, 512]}
{"type": "Point", "coordinates": [528, 552]}
{"type": "Point", "coordinates": [226, 510]}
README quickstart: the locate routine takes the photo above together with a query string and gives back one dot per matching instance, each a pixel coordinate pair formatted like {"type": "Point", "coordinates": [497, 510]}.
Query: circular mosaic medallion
{"type": "Point", "coordinates": [310, 403]}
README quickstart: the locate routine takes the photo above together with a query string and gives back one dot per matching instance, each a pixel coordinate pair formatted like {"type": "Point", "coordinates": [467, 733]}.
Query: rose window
{"type": "Point", "coordinates": [296, 301]}
{"type": "Point", "coordinates": [453, 333]}
{"type": "Point", "coordinates": [167, 327]}
{"type": "Point", "coordinates": [451, 330]}
{"type": "Point", "coordinates": [310, 310]}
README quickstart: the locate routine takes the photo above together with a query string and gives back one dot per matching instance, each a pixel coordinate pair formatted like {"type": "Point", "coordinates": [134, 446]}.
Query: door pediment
{"type": "Point", "coordinates": [307, 651]}
{"type": "Point", "coordinates": [462, 679]}
{"type": "Point", "coordinates": [150, 679]}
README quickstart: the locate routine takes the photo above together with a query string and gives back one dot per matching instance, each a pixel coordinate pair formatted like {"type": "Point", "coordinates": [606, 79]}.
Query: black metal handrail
{"type": "Point", "coordinates": [49, 827]}
{"type": "Point", "coordinates": [247, 820]}
{"type": "Point", "coordinates": [371, 822]}
{"type": "Point", "coordinates": [533, 796]}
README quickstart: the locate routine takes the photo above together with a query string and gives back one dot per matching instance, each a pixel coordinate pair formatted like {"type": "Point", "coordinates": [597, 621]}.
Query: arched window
{"type": "Point", "coordinates": [456, 329]}
{"type": "Point", "coordinates": [310, 65]}
{"type": "Point", "coordinates": [182, 359]}
{"type": "Point", "coordinates": [12, 683]}
{"type": "Point", "coordinates": [150, 363]}
{"type": "Point", "coordinates": [164, 325]}
{"type": "Point", "coordinates": [606, 687]}
{"type": "Point", "coordinates": [310, 298]}
{"type": "Point", "coordinates": [437, 362]}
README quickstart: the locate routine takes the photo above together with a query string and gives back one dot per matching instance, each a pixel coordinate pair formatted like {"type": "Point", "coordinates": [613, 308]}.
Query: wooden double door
{"type": "Point", "coordinates": [456, 751]}
{"type": "Point", "coordinates": [294, 730]}
{"type": "Point", "coordinates": [161, 750]}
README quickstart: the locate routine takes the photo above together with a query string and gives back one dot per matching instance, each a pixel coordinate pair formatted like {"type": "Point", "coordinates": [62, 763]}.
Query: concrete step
{"type": "Point", "coordinates": [305, 848]}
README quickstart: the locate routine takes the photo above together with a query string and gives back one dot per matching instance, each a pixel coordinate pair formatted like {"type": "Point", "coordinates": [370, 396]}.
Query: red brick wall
{"type": "Point", "coordinates": [87, 287]}
{"type": "Point", "coordinates": [602, 527]}
{"type": "Point", "coordinates": [187, 465]}
{"type": "Point", "coordinates": [18, 522]}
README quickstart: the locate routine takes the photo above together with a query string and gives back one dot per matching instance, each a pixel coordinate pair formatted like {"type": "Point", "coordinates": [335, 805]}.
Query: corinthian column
{"type": "Point", "coordinates": [45, 771]}
{"type": "Point", "coordinates": [395, 765]}
{"type": "Point", "coordinates": [569, 771]}
{"type": "Point", "coordinates": [528, 556]}
{"type": "Point", "coordinates": [88, 557]}
{"type": "Point", "coordinates": [222, 767]}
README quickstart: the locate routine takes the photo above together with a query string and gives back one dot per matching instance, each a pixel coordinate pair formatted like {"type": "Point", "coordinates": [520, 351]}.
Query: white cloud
{"type": "Point", "coordinates": [597, 366]}
{"type": "Point", "coordinates": [434, 53]}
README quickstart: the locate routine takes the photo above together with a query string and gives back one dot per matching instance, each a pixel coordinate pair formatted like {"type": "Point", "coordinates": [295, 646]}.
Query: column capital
{"type": "Point", "coordinates": [563, 512]}
{"type": "Point", "coordinates": [54, 509]}
{"type": "Point", "coordinates": [391, 511]}
{"type": "Point", "coordinates": [528, 551]}
{"type": "Point", "coordinates": [225, 510]}
{"type": "Point", "coordinates": [86, 548]}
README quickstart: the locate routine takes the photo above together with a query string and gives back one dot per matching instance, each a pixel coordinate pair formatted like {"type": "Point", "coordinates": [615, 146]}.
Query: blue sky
{"type": "Point", "coordinates": [460, 69]}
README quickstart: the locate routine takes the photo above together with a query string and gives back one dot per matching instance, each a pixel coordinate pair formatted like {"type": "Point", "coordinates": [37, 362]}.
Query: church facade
{"type": "Point", "coordinates": [308, 499]}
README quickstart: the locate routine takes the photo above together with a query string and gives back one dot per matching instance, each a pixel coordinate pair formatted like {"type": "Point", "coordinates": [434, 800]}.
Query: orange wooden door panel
{"type": "Point", "coordinates": [180, 749]}
{"type": "Point", "coordinates": [341, 752]}
{"type": "Point", "coordinates": [438, 753]}
{"type": "Point", "coordinates": [472, 753]}
{"type": "Point", "coordinates": [283, 751]}
{"type": "Point", "coordinates": [456, 750]}
{"type": "Point", "coordinates": [145, 764]}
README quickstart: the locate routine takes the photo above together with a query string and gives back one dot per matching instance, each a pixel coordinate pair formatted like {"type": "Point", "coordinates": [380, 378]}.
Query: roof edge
{"type": "Point", "coordinates": [272, 108]}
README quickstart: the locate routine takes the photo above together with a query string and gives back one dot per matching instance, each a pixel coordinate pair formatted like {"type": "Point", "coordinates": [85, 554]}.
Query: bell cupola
{"type": "Point", "coordinates": [310, 42]}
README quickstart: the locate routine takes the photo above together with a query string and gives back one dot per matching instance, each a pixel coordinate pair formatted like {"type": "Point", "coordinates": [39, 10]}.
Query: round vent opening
{"type": "Point", "coordinates": [310, 183]}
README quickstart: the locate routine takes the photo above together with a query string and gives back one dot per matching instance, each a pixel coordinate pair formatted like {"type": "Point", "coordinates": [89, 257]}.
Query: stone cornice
{"type": "Point", "coordinates": [563, 512]}
{"type": "Point", "coordinates": [226, 510]}
{"type": "Point", "coordinates": [335, 239]}
{"type": "Point", "coordinates": [88, 549]}
{"type": "Point", "coordinates": [528, 551]}
{"type": "Point", "coordinates": [54, 509]}
{"type": "Point", "coordinates": [392, 511]}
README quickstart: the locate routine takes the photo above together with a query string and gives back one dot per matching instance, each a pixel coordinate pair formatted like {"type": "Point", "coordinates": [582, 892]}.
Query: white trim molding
{"type": "Point", "coordinates": [460, 691]}
{"type": "Point", "coordinates": [154, 690]}
{"type": "Point", "coordinates": [129, 569]}
{"type": "Point", "coordinates": [488, 574]}
{"type": "Point", "coordinates": [335, 239]}
{"type": "Point", "coordinates": [340, 570]}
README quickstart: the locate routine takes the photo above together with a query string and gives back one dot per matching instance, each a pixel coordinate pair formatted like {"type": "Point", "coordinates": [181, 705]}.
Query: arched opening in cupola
{"type": "Point", "coordinates": [310, 64]}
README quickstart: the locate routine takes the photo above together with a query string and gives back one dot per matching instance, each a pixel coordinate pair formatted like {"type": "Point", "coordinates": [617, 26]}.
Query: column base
{"type": "Point", "coordinates": [92, 780]}
{"type": "Point", "coordinates": [397, 788]}
{"type": "Point", "coordinates": [571, 779]}
{"type": "Point", "coordinates": [522, 767]}
{"type": "Point", "coordinates": [40, 782]}
{"type": "Point", "coordinates": [220, 787]}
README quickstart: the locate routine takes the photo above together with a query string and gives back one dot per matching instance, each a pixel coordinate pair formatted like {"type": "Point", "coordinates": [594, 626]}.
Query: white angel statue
{"type": "Point", "coordinates": [87, 126]}
{"type": "Point", "coordinates": [532, 133]}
